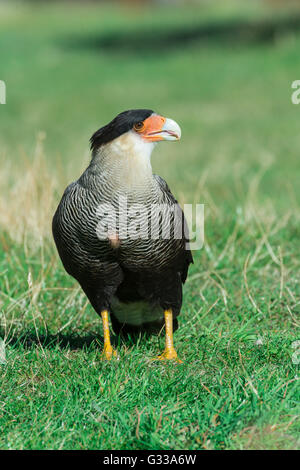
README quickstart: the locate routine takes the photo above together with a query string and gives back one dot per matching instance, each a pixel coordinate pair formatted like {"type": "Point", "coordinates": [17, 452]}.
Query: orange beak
{"type": "Point", "coordinates": [157, 128]}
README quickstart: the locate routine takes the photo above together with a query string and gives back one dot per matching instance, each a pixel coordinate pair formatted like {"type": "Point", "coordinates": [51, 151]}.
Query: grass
{"type": "Point", "coordinates": [237, 387]}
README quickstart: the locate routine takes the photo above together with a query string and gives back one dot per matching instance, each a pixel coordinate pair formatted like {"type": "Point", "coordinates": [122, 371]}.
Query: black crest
{"type": "Point", "coordinates": [118, 126]}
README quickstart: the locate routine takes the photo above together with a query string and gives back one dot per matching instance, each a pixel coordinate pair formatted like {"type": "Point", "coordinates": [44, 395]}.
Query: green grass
{"type": "Point", "coordinates": [237, 387]}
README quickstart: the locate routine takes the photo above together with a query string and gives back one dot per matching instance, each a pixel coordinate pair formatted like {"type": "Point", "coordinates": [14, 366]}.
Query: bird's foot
{"type": "Point", "coordinates": [108, 353]}
{"type": "Point", "coordinates": [168, 355]}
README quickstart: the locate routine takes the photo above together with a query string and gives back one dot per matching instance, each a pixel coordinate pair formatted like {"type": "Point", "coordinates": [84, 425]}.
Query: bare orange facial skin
{"type": "Point", "coordinates": [151, 126]}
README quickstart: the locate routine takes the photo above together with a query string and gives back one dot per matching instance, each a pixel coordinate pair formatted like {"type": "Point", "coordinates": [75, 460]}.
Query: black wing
{"type": "Point", "coordinates": [187, 254]}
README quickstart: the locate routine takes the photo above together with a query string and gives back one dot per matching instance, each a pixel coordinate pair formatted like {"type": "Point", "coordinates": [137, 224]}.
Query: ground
{"type": "Point", "coordinates": [68, 71]}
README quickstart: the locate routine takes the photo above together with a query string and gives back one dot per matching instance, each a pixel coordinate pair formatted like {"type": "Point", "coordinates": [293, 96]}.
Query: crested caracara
{"type": "Point", "coordinates": [126, 269]}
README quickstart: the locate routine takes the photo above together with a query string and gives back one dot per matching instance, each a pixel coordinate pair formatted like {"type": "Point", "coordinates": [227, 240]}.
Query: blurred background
{"type": "Point", "coordinates": [224, 71]}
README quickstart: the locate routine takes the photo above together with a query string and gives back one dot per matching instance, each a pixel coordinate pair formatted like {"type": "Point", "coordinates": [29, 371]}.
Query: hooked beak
{"type": "Point", "coordinates": [158, 128]}
{"type": "Point", "coordinates": [170, 130]}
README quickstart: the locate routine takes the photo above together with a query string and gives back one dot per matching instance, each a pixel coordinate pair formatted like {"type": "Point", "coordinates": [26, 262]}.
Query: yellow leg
{"type": "Point", "coordinates": [108, 351]}
{"type": "Point", "coordinates": [169, 352]}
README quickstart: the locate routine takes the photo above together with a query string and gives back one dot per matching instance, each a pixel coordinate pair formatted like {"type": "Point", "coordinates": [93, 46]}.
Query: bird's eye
{"type": "Point", "coordinates": [139, 126]}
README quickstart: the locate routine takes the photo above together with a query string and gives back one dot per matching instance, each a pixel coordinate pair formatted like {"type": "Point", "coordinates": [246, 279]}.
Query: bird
{"type": "Point", "coordinates": [132, 277]}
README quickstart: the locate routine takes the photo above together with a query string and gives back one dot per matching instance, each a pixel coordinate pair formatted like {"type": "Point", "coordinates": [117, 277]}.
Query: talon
{"type": "Point", "coordinates": [108, 354]}
{"type": "Point", "coordinates": [168, 355]}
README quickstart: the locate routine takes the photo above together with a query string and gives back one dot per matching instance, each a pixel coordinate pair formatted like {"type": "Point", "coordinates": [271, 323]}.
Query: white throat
{"type": "Point", "coordinates": [127, 161]}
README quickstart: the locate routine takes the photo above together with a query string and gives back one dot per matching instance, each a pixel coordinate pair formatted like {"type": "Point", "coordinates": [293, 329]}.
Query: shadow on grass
{"type": "Point", "coordinates": [72, 341]}
{"type": "Point", "coordinates": [165, 40]}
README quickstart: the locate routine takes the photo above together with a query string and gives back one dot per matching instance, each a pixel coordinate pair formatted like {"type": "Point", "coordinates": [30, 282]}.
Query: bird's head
{"type": "Point", "coordinates": [140, 127]}
{"type": "Point", "coordinates": [123, 147]}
